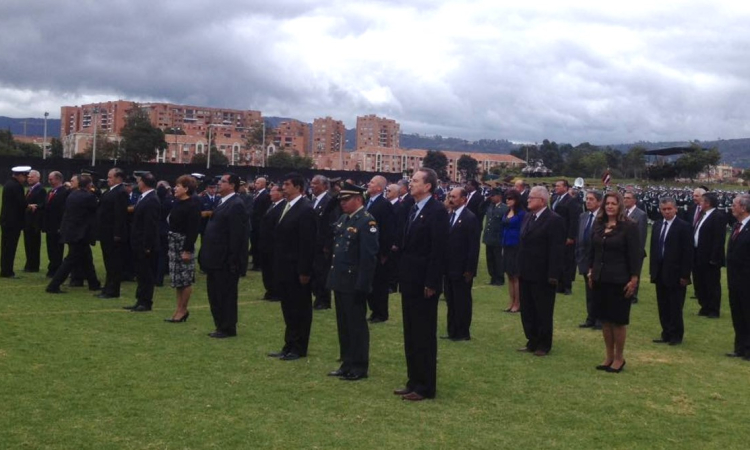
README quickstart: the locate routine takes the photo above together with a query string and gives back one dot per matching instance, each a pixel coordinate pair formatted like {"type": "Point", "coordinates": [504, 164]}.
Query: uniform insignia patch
{"type": "Point", "coordinates": [373, 230]}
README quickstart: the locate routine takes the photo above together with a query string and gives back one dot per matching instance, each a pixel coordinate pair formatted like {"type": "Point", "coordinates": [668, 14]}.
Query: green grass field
{"type": "Point", "coordinates": [81, 373]}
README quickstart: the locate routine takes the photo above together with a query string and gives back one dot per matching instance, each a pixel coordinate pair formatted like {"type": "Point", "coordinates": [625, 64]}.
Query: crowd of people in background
{"type": "Point", "coordinates": [349, 244]}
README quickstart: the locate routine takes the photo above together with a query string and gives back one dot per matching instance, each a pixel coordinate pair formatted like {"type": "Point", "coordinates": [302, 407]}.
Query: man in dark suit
{"type": "Point", "coordinates": [112, 231]}
{"type": "Point", "coordinates": [266, 240]}
{"type": "Point", "coordinates": [475, 200]}
{"type": "Point", "coordinates": [260, 205]}
{"type": "Point", "coordinates": [567, 207]}
{"type": "Point", "coordinates": [293, 253]}
{"type": "Point", "coordinates": [421, 270]}
{"type": "Point", "coordinates": [583, 248]}
{"type": "Point", "coordinates": [738, 273]}
{"type": "Point", "coordinates": [670, 265]}
{"type": "Point", "coordinates": [36, 199]}
{"type": "Point", "coordinates": [523, 190]}
{"type": "Point", "coordinates": [540, 267]}
{"type": "Point", "coordinates": [382, 210]}
{"type": "Point", "coordinates": [709, 235]}
{"type": "Point", "coordinates": [12, 219]}
{"type": "Point", "coordinates": [460, 265]}
{"type": "Point", "coordinates": [209, 200]}
{"type": "Point", "coordinates": [144, 241]}
{"type": "Point", "coordinates": [493, 237]}
{"type": "Point", "coordinates": [53, 214]}
{"type": "Point", "coordinates": [221, 256]}
{"type": "Point", "coordinates": [640, 217]}
{"type": "Point", "coordinates": [351, 277]}
{"type": "Point", "coordinates": [327, 213]}
{"type": "Point", "coordinates": [78, 230]}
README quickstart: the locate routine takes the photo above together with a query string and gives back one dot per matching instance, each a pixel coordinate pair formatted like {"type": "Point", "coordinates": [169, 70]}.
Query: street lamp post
{"type": "Point", "coordinates": [44, 143]}
{"type": "Point", "coordinates": [263, 145]}
{"type": "Point", "coordinates": [94, 114]}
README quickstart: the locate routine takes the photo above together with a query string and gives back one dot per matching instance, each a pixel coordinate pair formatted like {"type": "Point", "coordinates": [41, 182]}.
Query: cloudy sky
{"type": "Point", "coordinates": [569, 71]}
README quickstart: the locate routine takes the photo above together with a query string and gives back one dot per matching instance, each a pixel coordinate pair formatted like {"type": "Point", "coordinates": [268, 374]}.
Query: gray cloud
{"type": "Point", "coordinates": [568, 72]}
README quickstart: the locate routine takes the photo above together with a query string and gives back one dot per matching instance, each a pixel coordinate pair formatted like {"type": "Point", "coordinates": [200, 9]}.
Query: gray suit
{"type": "Point", "coordinates": [641, 219]}
{"type": "Point", "coordinates": [583, 249]}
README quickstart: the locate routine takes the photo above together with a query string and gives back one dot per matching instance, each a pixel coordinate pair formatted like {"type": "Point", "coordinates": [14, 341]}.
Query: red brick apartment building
{"type": "Point", "coordinates": [374, 131]}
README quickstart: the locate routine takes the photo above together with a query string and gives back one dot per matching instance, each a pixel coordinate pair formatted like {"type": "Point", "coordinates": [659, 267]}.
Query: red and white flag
{"type": "Point", "coordinates": [606, 178]}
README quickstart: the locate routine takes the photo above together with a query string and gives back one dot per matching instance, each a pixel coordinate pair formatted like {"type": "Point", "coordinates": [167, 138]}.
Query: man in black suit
{"type": "Point", "coordinates": [460, 265]}
{"type": "Point", "coordinates": [475, 200]}
{"type": "Point", "coordinates": [112, 231]}
{"type": "Point", "coordinates": [670, 265]}
{"type": "Point", "coordinates": [738, 274]}
{"type": "Point", "coordinates": [382, 210]}
{"type": "Point", "coordinates": [53, 214]}
{"type": "Point", "coordinates": [260, 205]}
{"type": "Point", "coordinates": [567, 207]}
{"type": "Point", "coordinates": [293, 253]}
{"type": "Point", "coordinates": [36, 199]}
{"type": "Point", "coordinates": [523, 190]}
{"type": "Point", "coordinates": [327, 213]}
{"type": "Point", "coordinates": [540, 267]}
{"type": "Point", "coordinates": [266, 240]}
{"type": "Point", "coordinates": [583, 248]}
{"type": "Point", "coordinates": [209, 200]}
{"type": "Point", "coordinates": [12, 219]}
{"type": "Point", "coordinates": [421, 269]}
{"type": "Point", "coordinates": [221, 256]}
{"type": "Point", "coordinates": [640, 217]}
{"type": "Point", "coordinates": [78, 230]}
{"type": "Point", "coordinates": [709, 236]}
{"type": "Point", "coordinates": [144, 241]}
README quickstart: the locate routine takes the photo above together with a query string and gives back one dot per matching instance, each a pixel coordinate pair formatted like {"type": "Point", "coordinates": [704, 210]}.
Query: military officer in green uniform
{"type": "Point", "coordinates": [493, 236]}
{"type": "Point", "coordinates": [352, 270]}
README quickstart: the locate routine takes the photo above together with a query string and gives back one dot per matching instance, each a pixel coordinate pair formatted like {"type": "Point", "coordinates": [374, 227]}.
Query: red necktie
{"type": "Point", "coordinates": [51, 195]}
{"type": "Point", "coordinates": [736, 232]}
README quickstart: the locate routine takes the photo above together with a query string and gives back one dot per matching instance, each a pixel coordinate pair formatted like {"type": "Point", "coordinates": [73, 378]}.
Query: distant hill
{"type": "Point", "coordinates": [32, 127]}
{"type": "Point", "coordinates": [735, 152]}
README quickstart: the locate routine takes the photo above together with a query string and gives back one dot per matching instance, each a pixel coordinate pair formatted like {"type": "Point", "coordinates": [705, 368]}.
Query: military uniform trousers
{"type": "Point", "coordinates": [354, 334]}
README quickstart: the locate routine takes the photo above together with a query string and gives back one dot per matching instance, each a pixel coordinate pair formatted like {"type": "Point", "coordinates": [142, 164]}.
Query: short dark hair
{"type": "Point", "coordinates": [84, 181]}
{"type": "Point", "coordinates": [430, 176]}
{"type": "Point", "coordinates": [118, 173]}
{"type": "Point", "coordinates": [188, 182]}
{"type": "Point", "coordinates": [234, 180]}
{"type": "Point", "coordinates": [149, 180]}
{"type": "Point", "coordinates": [564, 182]}
{"type": "Point", "coordinates": [296, 179]}
{"type": "Point", "coordinates": [473, 183]}
{"type": "Point", "coordinates": [712, 199]}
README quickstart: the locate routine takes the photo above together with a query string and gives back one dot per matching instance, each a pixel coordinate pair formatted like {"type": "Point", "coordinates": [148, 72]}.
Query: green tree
{"type": "Point", "coordinates": [55, 148]}
{"type": "Point", "coordinates": [105, 149]}
{"type": "Point", "coordinates": [255, 135]}
{"type": "Point", "coordinates": [140, 139]}
{"type": "Point", "coordinates": [437, 161]}
{"type": "Point", "coordinates": [280, 159]}
{"type": "Point", "coordinates": [8, 145]}
{"type": "Point", "coordinates": [696, 160]}
{"type": "Point", "coordinates": [217, 158]}
{"type": "Point", "coordinates": [634, 162]}
{"type": "Point", "coordinates": [468, 167]}
{"type": "Point", "coordinates": [30, 150]}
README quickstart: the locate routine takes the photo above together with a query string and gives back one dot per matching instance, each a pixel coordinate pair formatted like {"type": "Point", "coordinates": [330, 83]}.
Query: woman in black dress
{"type": "Point", "coordinates": [613, 276]}
{"type": "Point", "coordinates": [184, 222]}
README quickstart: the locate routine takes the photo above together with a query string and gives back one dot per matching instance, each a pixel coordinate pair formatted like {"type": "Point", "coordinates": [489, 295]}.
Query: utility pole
{"type": "Point", "coordinates": [44, 143]}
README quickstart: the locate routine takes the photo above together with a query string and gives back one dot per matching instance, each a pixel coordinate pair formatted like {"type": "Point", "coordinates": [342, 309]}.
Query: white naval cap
{"type": "Point", "coordinates": [21, 169]}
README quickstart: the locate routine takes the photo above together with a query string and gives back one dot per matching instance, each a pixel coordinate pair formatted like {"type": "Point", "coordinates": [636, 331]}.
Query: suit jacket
{"type": "Point", "coordinates": [382, 210]}
{"type": "Point", "coordinates": [12, 213]}
{"type": "Point", "coordinates": [144, 234]}
{"type": "Point", "coordinates": [570, 210]}
{"type": "Point", "coordinates": [583, 244]}
{"type": "Point", "coordinates": [224, 241]}
{"type": "Point", "coordinates": [294, 243]}
{"type": "Point", "coordinates": [475, 204]}
{"type": "Point", "coordinates": [53, 212]}
{"type": "Point", "coordinates": [640, 218]}
{"type": "Point", "coordinates": [79, 220]}
{"type": "Point", "coordinates": [540, 253]}
{"type": "Point", "coordinates": [36, 196]}
{"type": "Point", "coordinates": [617, 256]}
{"type": "Point", "coordinates": [463, 245]}
{"type": "Point", "coordinates": [402, 216]}
{"type": "Point", "coordinates": [677, 262]}
{"type": "Point", "coordinates": [260, 205]}
{"type": "Point", "coordinates": [422, 261]}
{"type": "Point", "coordinates": [738, 261]}
{"type": "Point", "coordinates": [268, 227]}
{"type": "Point", "coordinates": [327, 212]}
{"type": "Point", "coordinates": [112, 214]}
{"type": "Point", "coordinates": [711, 239]}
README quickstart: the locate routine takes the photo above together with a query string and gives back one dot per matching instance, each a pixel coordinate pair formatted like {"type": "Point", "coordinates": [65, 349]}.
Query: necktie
{"type": "Point", "coordinates": [698, 215]}
{"type": "Point", "coordinates": [286, 208]}
{"type": "Point", "coordinates": [51, 195]}
{"type": "Point", "coordinates": [369, 203]}
{"type": "Point", "coordinates": [412, 217]}
{"type": "Point", "coordinates": [736, 231]}
{"type": "Point", "coordinates": [554, 205]}
{"type": "Point", "coordinates": [587, 230]}
{"type": "Point", "coordinates": [453, 219]}
{"type": "Point", "coordinates": [662, 236]}
{"type": "Point", "coordinates": [698, 219]}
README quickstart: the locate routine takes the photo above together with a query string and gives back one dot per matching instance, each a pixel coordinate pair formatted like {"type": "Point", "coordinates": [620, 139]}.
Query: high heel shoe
{"type": "Point", "coordinates": [604, 366]}
{"type": "Point", "coordinates": [610, 369]}
{"type": "Point", "coordinates": [181, 319]}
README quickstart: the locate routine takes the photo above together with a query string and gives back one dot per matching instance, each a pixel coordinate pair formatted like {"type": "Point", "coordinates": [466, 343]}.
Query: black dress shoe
{"type": "Point", "coordinates": [221, 335]}
{"type": "Point", "coordinates": [321, 306]}
{"type": "Point", "coordinates": [611, 369]}
{"type": "Point", "coordinates": [290, 357]}
{"type": "Point", "coordinates": [105, 296]}
{"type": "Point", "coordinates": [130, 308]}
{"type": "Point", "coordinates": [659, 341]}
{"type": "Point", "coordinates": [459, 339]}
{"type": "Point", "coordinates": [276, 354]}
{"type": "Point", "coordinates": [402, 391]}
{"type": "Point", "coordinates": [353, 377]}
{"type": "Point", "coordinates": [338, 373]}
{"type": "Point", "coordinates": [54, 291]}
{"type": "Point", "coordinates": [141, 308]}
{"type": "Point", "coordinates": [377, 320]}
